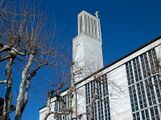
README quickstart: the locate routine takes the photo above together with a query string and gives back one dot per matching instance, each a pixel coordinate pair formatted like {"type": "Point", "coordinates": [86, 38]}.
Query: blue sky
{"type": "Point", "coordinates": [126, 25]}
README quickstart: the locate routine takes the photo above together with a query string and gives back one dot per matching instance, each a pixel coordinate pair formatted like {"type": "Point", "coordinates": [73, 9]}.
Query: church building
{"type": "Point", "coordinates": [128, 89]}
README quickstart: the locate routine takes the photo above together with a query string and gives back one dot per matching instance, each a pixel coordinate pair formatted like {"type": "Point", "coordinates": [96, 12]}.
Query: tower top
{"type": "Point", "coordinates": [89, 25]}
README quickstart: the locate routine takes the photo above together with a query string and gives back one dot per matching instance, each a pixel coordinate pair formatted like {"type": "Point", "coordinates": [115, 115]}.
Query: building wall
{"type": "Point", "coordinates": [119, 94]}
{"type": "Point", "coordinates": [81, 104]}
{"type": "Point", "coordinates": [120, 85]}
{"type": "Point", "coordinates": [87, 52]}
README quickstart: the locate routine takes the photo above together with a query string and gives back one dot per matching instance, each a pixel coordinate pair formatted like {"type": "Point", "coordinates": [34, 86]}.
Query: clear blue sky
{"type": "Point", "coordinates": [126, 25]}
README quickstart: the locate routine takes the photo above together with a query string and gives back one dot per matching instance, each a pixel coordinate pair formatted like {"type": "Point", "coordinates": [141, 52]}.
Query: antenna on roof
{"type": "Point", "coordinates": [96, 14]}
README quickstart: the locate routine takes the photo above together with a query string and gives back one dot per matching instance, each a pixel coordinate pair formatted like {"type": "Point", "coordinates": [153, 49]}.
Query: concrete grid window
{"type": "Point", "coordinates": [56, 108]}
{"type": "Point", "coordinates": [60, 106]}
{"type": "Point", "coordinates": [153, 61]}
{"type": "Point", "coordinates": [157, 87]}
{"type": "Point", "coordinates": [66, 106]}
{"type": "Point", "coordinates": [144, 86]}
{"type": "Point", "coordinates": [85, 20]}
{"type": "Point", "coordinates": [97, 99]}
{"type": "Point", "coordinates": [92, 28]}
{"type": "Point", "coordinates": [89, 25]}
{"type": "Point", "coordinates": [95, 28]}
{"type": "Point", "coordinates": [80, 24]}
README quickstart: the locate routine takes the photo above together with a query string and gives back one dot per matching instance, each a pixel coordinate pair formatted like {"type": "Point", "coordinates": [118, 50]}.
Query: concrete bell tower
{"type": "Point", "coordinates": [87, 46]}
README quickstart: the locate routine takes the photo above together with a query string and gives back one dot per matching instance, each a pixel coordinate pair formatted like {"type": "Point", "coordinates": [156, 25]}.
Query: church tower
{"type": "Point", "coordinates": [87, 46]}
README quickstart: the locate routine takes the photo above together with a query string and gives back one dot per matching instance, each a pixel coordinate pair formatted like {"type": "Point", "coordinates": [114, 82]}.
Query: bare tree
{"type": "Point", "coordinates": [25, 43]}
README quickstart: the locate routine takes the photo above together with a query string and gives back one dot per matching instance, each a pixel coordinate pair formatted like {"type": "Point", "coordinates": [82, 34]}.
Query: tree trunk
{"type": "Point", "coordinates": [25, 96]}
{"type": "Point", "coordinates": [20, 99]}
{"type": "Point", "coordinates": [8, 95]}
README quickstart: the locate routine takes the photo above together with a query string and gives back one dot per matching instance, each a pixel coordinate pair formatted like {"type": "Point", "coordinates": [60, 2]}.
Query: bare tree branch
{"type": "Point", "coordinates": [3, 81]}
